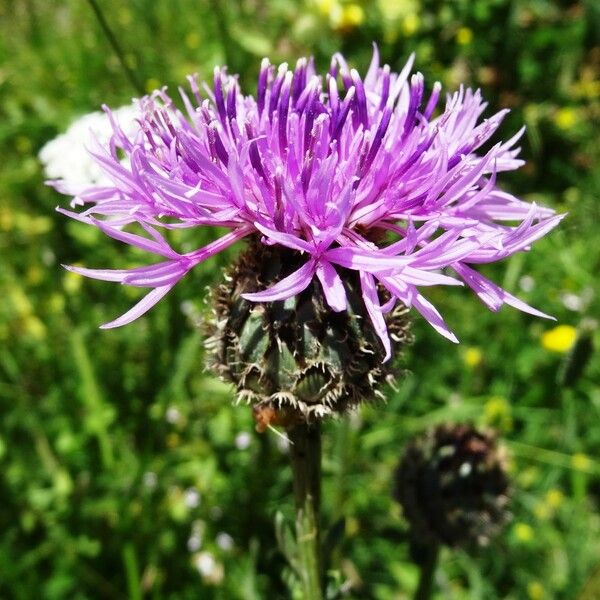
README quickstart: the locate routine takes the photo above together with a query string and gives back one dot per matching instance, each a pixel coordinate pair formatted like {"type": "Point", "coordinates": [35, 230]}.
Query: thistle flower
{"type": "Point", "coordinates": [453, 486]}
{"type": "Point", "coordinates": [348, 175]}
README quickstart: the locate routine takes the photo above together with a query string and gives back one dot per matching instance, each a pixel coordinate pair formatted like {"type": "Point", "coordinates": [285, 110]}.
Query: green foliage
{"type": "Point", "coordinates": [122, 462]}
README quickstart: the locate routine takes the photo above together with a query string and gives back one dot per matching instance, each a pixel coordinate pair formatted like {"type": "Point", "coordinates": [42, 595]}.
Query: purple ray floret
{"type": "Point", "coordinates": [353, 173]}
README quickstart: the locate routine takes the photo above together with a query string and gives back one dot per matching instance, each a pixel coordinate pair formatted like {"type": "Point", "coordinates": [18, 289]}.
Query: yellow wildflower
{"type": "Point", "coordinates": [565, 117]}
{"type": "Point", "coordinates": [353, 15]}
{"type": "Point", "coordinates": [535, 590]}
{"type": "Point", "coordinates": [152, 84]}
{"type": "Point", "coordinates": [554, 497]}
{"type": "Point", "coordinates": [498, 414]}
{"type": "Point", "coordinates": [56, 303]}
{"type": "Point", "coordinates": [581, 462]}
{"type": "Point", "coordinates": [411, 24]}
{"type": "Point", "coordinates": [542, 511]}
{"type": "Point", "coordinates": [472, 356]}
{"type": "Point", "coordinates": [34, 327]}
{"type": "Point", "coordinates": [326, 7]}
{"type": "Point", "coordinates": [464, 36]}
{"type": "Point", "coordinates": [523, 532]}
{"type": "Point", "coordinates": [72, 282]}
{"type": "Point", "coordinates": [560, 338]}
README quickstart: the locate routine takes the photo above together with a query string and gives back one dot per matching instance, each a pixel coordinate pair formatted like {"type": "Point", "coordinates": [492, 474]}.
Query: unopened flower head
{"type": "Point", "coordinates": [453, 486]}
{"type": "Point", "coordinates": [365, 175]}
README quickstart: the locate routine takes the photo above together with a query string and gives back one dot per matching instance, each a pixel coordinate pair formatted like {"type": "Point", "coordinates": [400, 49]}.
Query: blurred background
{"type": "Point", "coordinates": [125, 471]}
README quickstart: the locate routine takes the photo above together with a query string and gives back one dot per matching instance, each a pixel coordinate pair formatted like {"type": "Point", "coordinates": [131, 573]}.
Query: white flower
{"type": "Point", "coordinates": [150, 480]}
{"type": "Point", "coordinates": [224, 541]}
{"type": "Point", "coordinates": [211, 570]}
{"type": "Point", "coordinates": [243, 440]}
{"type": "Point", "coordinates": [173, 415]}
{"type": "Point", "coordinates": [194, 542]}
{"type": "Point", "coordinates": [192, 497]}
{"type": "Point", "coordinates": [67, 156]}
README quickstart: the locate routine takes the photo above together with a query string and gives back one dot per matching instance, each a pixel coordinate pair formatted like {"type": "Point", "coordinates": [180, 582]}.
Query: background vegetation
{"type": "Point", "coordinates": [125, 472]}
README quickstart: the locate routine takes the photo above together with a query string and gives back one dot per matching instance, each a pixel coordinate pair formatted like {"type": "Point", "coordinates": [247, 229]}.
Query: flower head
{"type": "Point", "coordinates": [453, 486]}
{"type": "Point", "coordinates": [370, 175]}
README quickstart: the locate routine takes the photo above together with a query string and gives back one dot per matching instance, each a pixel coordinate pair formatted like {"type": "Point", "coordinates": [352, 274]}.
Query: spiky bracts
{"type": "Point", "coordinates": [453, 486]}
{"type": "Point", "coordinates": [296, 356]}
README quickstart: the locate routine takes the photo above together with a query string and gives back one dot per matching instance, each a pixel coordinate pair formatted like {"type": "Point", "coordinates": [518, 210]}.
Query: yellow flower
{"type": "Point", "coordinates": [542, 511]}
{"type": "Point", "coordinates": [565, 117]}
{"type": "Point", "coordinates": [464, 36]}
{"type": "Point", "coordinates": [350, 16]}
{"type": "Point", "coordinates": [56, 303]}
{"type": "Point", "coordinates": [472, 356]}
{"type": "Point", "coordinates": [152, 84]}
{"type": "Point", "coordinates": [528, 477]}
{"type": "Point", "coordinates": [581, 462]}
{"type": "Point", "coordinates": [72, 282]}
{"type": "Point", "coordinates": [411, 24]}
{"type": "Point", "coordinates": [497, 413]}
{"type": "Point", "coordinates": [535, 590]}
{"type": "Point", "coordinates": [554, 498]}
{"type": "Point", "coordinates": [523, 532]}
{"type": "Point", "coordinates": [587, 88]}
{"type": "Point", "coordinates": [34, 327]}
{"type": "Point", "coordinates": [560, 339]}
{"type": "Point", "coordinates": [326, 7]}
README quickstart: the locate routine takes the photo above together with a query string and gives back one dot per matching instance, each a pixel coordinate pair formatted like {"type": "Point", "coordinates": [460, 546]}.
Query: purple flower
{"type": "Point", "coordinates": [353, 173]}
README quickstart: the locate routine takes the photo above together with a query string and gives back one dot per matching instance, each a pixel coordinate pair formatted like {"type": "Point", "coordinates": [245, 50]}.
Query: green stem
{"type": "Point", "coordinates": [306, 465]}
{"type": "Point", "coordinates": [428, 566]}
{"type": "Point", "coordinates": [112, 40]}
{"type": "Point", "coordinates": [227, 43]}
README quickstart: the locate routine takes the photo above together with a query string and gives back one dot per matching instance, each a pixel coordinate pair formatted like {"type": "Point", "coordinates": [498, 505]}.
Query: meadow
{"type": "Point", "coordinates": [125, 469]}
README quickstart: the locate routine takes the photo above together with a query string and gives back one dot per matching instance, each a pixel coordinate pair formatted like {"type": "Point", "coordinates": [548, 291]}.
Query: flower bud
{"type": "Point", "coordinates": [297, 358]}
{"type": "Point", "coordinates": [453, 486]}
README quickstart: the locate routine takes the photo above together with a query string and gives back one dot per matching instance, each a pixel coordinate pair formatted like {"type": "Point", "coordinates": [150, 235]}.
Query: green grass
{"type": "Point", "coordinates": [102, 432]}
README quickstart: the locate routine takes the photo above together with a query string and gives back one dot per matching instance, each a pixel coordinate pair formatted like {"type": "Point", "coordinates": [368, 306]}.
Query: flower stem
{"type": "Point", "coordinates": [112, 40]}
{"type": "Point", "coordinates": [306, 466]}
{"type": "Point", "coordinates": [428, 564]}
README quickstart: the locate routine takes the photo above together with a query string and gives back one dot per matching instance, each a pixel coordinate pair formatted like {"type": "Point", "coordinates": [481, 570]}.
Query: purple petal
{"type": "Point", "coordinates": [363, 260]}
{"type": "Point", "coordinates": [102, 274]}
{"type": "Point", "coordinates": [291, 285]}
{"type": "Point", "coordinates": [434, 318]}
{"type": "Point", "coordinates": [285, 239]}
{"type": "Point", "coordinates": [373, 306]}
{"type": "Point", "coordinates": [492, 295]}
{"type": "Point", "coordinates": [143, 306]}
{"type": "Point", "coordinates": [333, 288]}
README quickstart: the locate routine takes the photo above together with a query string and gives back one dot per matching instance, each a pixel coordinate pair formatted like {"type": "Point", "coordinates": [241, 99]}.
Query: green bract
{"type": "Point", "coordinates": [297, 355]}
